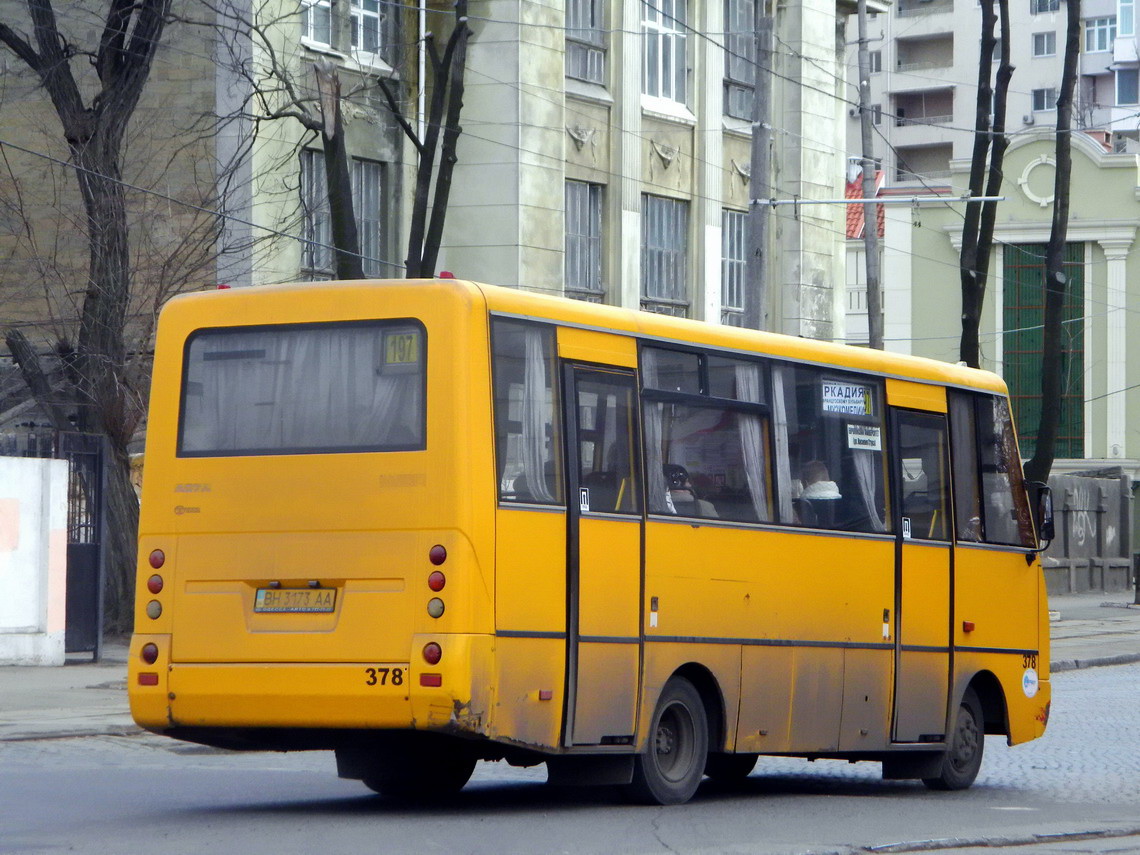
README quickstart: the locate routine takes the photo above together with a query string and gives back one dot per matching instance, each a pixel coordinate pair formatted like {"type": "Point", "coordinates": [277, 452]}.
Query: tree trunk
{"type": "Point", "coordinates": [451, 132]}
{"type": "Point", "coordinates": [971, 274]}
{"type": "Point", "coordinates": [338, 177]}
{"type": "Point", "coordinates": [1056, 282]}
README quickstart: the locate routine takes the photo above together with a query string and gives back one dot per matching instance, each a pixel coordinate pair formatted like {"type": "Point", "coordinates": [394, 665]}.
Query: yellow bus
{"type": "Point", "coordinates": [424, 523]}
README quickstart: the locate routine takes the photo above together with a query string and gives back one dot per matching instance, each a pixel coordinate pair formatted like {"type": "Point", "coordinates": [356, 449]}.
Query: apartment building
{"type": "Point", "coordinates": [924, 63]}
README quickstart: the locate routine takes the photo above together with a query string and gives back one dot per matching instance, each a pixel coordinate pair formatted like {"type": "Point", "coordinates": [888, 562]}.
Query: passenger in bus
{"type": "Point", "coordinates": [683, 494]}
{"type": "Point", "coordinates": [817, 501]}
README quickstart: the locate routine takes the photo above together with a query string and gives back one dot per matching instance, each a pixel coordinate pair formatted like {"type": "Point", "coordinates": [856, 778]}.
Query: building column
{"type": "Point", "coordinates": [1116, 344]}
{"type": "Point", "coordinates": [627, 38]}
{"type": "Point", "coordinates": [708, 143]}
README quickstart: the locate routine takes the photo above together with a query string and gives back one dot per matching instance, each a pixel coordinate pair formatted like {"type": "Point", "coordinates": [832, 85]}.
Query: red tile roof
{"type": "Point", "coordinates": [854, 190]}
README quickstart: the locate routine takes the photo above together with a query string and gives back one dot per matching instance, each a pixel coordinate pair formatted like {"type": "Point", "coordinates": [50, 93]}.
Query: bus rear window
{"type": "Point", "coordinates": [303, 389]}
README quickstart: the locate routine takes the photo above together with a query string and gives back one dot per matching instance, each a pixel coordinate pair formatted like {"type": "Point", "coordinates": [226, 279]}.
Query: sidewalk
{"type": "Point", "coordinates": [84, 698]}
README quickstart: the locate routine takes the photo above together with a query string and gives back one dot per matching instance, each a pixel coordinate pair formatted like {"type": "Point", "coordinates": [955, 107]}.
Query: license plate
{"type": "Point", "coordinates": [295, 600]}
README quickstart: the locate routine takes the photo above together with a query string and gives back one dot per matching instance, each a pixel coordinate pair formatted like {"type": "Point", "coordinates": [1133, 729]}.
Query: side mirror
{"type": "Point", "coordinates": [1042, 498]}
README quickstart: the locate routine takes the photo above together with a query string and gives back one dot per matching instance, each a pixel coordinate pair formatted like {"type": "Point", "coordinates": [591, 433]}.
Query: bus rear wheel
{"type": "Point", "coordinates": [670, 769]}
{"type": "Point", "coordinates": [415, 775]}
{"type": "Point", "coordinates": [963, 757]}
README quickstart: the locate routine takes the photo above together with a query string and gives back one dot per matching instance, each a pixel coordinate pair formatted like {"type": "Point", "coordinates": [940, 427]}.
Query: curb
{"type": "Point", "coordinates": [1096, 662]}
{"type": "Point", "coordinates": [998, 842]}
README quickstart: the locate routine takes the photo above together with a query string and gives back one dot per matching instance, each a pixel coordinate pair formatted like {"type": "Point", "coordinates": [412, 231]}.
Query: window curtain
{"type": "Point", "coordinates": [864, 464]}
{"type": "Point", "coordinates": [536, 415]}
{"type": "Point", "coordinates": [782, 376]}
{"type": "Point", "coordinates": [656, 487]}
{"type": "Point", "coordinates": [752, 439]}
{"type": "Point", "coordinates": [303, 390]}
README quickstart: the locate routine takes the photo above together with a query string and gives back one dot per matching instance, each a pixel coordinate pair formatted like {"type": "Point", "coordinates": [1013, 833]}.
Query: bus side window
{"type": "Point", "coordinates": [964, 454]}
{"type": "Point", "coordinates": [829, 442]}
{"type": "Point", "coordinates": [708, 436]}
{"type": "Point", "coordinates": [1006, 517]}
{"type": "Point", "coordinates": [527, 428]}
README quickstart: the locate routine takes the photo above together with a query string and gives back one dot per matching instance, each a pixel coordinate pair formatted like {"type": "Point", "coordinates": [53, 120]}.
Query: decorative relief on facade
{"type": "Point", "coordinates": [743, 171]}
{"type": "Point", "coordinates": [666, 153]}
{"type": "Point", "coordinates": [582, 136]}
{"type": "Point", "coordinates": [1023, 182]}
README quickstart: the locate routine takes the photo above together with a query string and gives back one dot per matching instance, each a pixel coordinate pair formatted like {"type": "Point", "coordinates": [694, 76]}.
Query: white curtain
{"type": "Point", "coordinates": [752, 440]}
{"type": "Point", "coordinates": [656, 487]}
{"type": "Point", "coordinates": [308, 389]}
{"type": "Point", "coordinates": [536, 415]}
{"type": "Point", "coordinates": [865, 462]}
{"type": "Point", "coordinates": [782, 377]}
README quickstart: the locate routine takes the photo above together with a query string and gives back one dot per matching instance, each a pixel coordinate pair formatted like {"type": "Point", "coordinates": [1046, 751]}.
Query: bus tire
{"type": "Point", "coordinates": [730, 768]}
{"type": "Point", "coordinates": [963, 757]}
{"type": "Point", "coordinates": [414, 777]}
{"type": "Point", "coordinates": [673, 763]}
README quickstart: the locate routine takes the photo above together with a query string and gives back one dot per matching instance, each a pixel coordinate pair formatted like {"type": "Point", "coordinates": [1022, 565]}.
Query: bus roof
{"type": "Point", "coordinates": [664, 328]}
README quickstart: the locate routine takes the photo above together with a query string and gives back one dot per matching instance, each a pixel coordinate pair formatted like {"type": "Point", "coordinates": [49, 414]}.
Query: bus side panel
{"type": "Point", "coordinates": [766, 700]}
{"type": "Point", "coordinates": [1001, 596]}
{"type": "Point", "coordinates": [530, 604]}
{"type": "Point", "coordinates": [815, 595]}
{"type": "Point", "coordinates": [722, 661]}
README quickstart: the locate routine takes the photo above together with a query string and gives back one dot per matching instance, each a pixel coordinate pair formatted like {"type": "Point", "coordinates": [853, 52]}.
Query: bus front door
{"type": "Point", "coordinates": [922, 599]}
{"type": "Point", "coordinates": [604, 557]}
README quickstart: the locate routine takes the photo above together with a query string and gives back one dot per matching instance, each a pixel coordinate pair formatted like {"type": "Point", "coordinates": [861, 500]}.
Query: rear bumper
{"type": "Point", "coordinates": [316, 696]}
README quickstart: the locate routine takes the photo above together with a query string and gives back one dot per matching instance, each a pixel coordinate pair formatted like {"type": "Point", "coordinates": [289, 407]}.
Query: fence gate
{"type": "Point", "coordinates": [86, 492]}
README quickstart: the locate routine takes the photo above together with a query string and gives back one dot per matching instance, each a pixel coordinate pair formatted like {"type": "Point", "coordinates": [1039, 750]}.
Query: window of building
{"type": "Point", "coordinates": [1126, 17]}
{"type": "Point", "coordinates": [708, 436]}
{"type": "Point", "coordinates": [876, 60]}
{"type": "Point", "coordinates": [317, 255]}
{"type": "Point", "coordinates": [1044, 44]}
{"type": "Point", "coordinates": [1127, 89]}
{"type": "Point", "coordinates": [1044, 99]}
{"type": "Point", "coordinates": [366, 19]}
{"type": "Point", "coordinates": [528, 431]}
{"type": "Point", "coordinates": [316, 21]}
{"type": "Point", "coordinates": [368, 203]}
{"type": "Point", "coordinates": [739, 58]}
{"type": "Point", "coordinates": [1040, 7]}
{"type": "Point", "coordinates": [1100, 33]}
{"type": "Point", "coordinates": [664, 255]}
{"type": "Point", "coordinates": [663, 49]}
{"type": "Point", "coordinates": [997, 50]}
{"type": "Point", "coordinates": [733, 266]}
{"type": "Point", "coordinates": [1022, 317]}
{"type": "Point", "coordinates": [583, 251]}
{"type": "Point", "coordinates": [585, 41]}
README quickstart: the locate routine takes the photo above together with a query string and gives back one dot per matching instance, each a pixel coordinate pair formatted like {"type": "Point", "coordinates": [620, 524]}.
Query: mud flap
{"type": "Point", "coordinates": [912, 764]}
{"type": "Point", "coordinates": [590, 771]}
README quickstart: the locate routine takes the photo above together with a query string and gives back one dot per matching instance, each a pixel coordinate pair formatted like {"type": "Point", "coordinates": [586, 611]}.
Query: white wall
{"type": "Point", "coordinates": [33, 560]}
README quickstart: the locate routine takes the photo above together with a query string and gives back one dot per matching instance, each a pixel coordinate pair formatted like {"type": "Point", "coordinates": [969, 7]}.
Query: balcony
{"type": "Point", "coordinates": [914, 8]}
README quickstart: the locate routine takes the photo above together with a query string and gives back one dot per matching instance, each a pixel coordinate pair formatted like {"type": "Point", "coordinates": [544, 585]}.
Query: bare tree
{"type": "Point", "coordinates": [1056, 282]}
{"type": "Point", "coordinates": [990, 143]}
{"type": "Point", "coordinates": [277, 91]}
{"type": "Point", "coordinates": [94, 115]}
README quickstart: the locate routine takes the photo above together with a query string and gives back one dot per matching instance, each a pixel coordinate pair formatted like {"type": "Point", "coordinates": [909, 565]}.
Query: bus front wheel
{"type": "Point", "coordinates": [670, 769]}
{"type": "Point", "coordinates": [963, 757]}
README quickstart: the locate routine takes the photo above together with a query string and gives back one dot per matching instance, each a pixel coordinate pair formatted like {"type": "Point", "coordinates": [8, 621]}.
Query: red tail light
{"type": "Point", "coordinates": [436, 581]}
{"type": "Point", "coordinates": [157, 558]}
{"type": "Point", "coordinates": [432, 653]}
{"type": "Point", "coordinates": [154, 584]}
{"type": "Point", "coordinates": [148, 678]}
{"type": "Point", "coordinates": [430, 680]}
{"type": "Point", "coordinates": [437, 555]}
{"type": "Point", "coordinates": [149, 653]}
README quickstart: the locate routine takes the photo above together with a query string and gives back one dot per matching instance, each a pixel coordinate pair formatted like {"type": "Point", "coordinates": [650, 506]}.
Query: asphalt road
{"type": "Point", "coordinates": [146, 794]}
